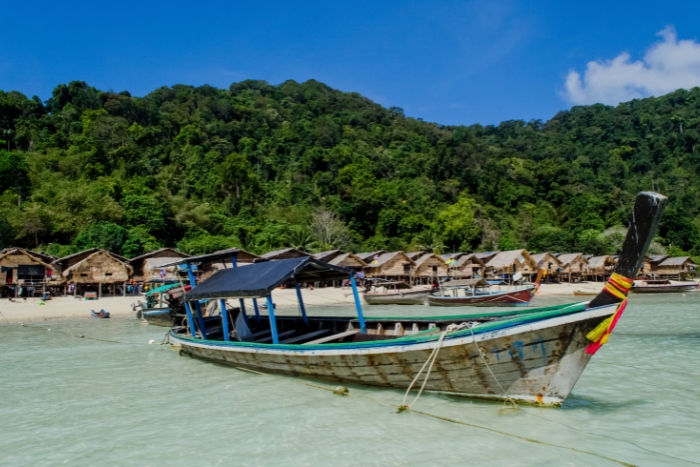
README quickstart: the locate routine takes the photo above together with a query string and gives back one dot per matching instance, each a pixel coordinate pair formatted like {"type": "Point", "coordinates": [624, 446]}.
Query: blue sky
{"type": "Point", "coordinates": [449, 62]}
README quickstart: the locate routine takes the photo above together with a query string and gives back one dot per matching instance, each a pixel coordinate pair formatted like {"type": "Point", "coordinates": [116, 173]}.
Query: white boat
{"type": "Point", "coordinates": [394, 293]}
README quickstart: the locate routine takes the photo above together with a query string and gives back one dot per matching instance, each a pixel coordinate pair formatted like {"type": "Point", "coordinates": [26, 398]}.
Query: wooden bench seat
{"type": "Point", "coordinates": [280, 336]}
{"type": "Point", "coordinates": [333, 337]}
{"type": "Point", "coordinates": [303, 337]}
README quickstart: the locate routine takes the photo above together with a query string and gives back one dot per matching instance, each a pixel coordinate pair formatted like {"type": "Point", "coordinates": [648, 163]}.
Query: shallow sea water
{"type": "Point", "coordinates": [110, 399]}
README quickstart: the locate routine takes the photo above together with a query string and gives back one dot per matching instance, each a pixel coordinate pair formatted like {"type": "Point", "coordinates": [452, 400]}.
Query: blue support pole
{"type": "Point", "coordinates": [358, 305]}
{"type": "Point", "coordinates": [190, 319]}
{"type": "Point", "coordinates": [301, 304]}
{"type": "Point", "coordinates": [257, 311]}
{"type": "Point", "coordinates": [273, 321]}
{"type": "Point", "coordinates": [190, 274]}
{"type": "Point", "coordinates": [224, 319]}
{"type": "Point", "coordinates": [234, 262]}
{"type": "Point", "coordinates": [200, 320]}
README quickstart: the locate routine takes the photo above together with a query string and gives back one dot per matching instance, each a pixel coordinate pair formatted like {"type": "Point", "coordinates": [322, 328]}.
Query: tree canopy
{"type": "Point", "coordinates": [262, 167]}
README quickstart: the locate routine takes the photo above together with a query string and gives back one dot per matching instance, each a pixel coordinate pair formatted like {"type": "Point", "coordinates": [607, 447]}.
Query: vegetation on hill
{"type": "Point", "coordinates": [264, 167]}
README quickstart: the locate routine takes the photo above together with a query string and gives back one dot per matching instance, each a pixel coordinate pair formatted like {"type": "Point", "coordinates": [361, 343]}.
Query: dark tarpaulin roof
{"type": "Point", "coordinates": [259, 279]}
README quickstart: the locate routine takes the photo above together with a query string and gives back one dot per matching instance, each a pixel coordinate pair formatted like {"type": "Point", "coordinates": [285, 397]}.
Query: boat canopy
{"type": "Point", "coordinates": [162, 289]}
{"type": "Point", "coordinates": [260, 279]}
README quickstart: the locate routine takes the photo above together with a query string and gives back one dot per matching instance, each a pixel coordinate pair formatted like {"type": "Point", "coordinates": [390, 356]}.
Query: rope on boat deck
{"type": "Point", "coordinates": [431, 360]}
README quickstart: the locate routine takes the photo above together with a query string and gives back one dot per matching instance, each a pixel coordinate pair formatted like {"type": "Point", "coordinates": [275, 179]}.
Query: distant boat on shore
{"type": "Point", "coordinates": [663, 286]}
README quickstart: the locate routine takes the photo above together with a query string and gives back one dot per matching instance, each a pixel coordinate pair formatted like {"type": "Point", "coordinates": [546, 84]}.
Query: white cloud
{"type": "Point", "coordinates": [668, 65]}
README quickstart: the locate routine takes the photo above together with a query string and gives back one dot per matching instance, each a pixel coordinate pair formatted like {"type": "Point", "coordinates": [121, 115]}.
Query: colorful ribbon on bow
{"type": "Point", "coordinates": [618, 286]}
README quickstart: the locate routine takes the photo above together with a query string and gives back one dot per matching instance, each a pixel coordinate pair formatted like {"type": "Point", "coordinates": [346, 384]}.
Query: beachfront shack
{"type": "Point", "coordinates": [284, 254]}
{"type": "Point", "coordinates": [414, 255]}
{"type": "Point", "coordinates": [573, 267]}
{"type": "Point", "coordinates": [395, 265]}
{"type": "Point", "coordinates": [654, 261]}
{"type": "Point", "coordinates": [341, 259]}
{"type": "Point", "coordinates": [149, 267]}
{"type": "Point", "coordinates": [507, 263]}
{"type": "Point", "coordinates": [369, 256]}
{"type": "Point", "coordinates": [601, 267]}
{"type": "Point", "coordinates": [679, 268]}
{"type": "Point", "coordinates": [95, 272]}
{"type": "Point", "coordinates": [26, 273]}
{"type": "Point", "coordinates": [549, 263]}
{"type": "Point", "coordinates": [486, 256]}
{"type": "Point", "coordinates": [466, 266]}
{"type": "Point", "coordinates": [429, 268]}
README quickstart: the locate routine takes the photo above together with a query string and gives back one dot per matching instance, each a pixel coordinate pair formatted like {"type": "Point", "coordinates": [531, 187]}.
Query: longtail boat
{"type": "Point", "coordinates": [530, 355]}
{"type": "Point", "coordinates": [379, 292]}
{"type": "Point", "coordinates": [663, 286]}
{"type": "Point", "coordinates": [476, 292]}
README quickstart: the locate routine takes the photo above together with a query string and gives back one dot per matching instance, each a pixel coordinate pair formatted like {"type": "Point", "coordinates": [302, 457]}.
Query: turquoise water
{"type": "Point", "coordinates": [110, 399]}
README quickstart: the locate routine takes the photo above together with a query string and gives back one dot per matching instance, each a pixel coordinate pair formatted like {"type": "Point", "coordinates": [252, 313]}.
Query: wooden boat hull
{"type": "Point", "coordinates": [537, 361]}
{"type": "Point", "coordinates": [673, 288]}
{"type": "Point", "coordinates": [158, 317]}
{"type": "Point", "coordinates": [411, 297]}
{"type": "Point", "coordinates": [520, 297]}
{"type": "Point", "coordinates": [580, 293]}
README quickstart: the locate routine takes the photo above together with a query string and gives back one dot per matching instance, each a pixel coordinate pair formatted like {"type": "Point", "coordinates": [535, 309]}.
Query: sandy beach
{"type": "Point", "coordinates": [67, 307]}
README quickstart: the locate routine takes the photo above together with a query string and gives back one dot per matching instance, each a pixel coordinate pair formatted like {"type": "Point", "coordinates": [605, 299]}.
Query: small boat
{"type": "Point", "coordinates": [532, 355]}
{"type": "Point", "coordinates": [584, 293]}
{"type": "Point", "coordinates": [168, 316]}
{"type": "Point", "coordinates": [381, 292]}
{"type": "Point", "coordinates": [475, 292]}
{"type": "Point", "coordinates": [101, 314]}
{"type": "Point", "coordinates": [663, 286]}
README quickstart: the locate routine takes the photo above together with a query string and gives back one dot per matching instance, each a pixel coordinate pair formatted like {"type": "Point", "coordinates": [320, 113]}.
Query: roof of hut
{"type": "Point", "coordinates": [75, 258]}
{"type": "Point", "coordinates": [657, 258]}
{"type": "Point", "coordinates": [507, 258]}
{"type": "Point", "coordinates": [539, 257]}
{"type": "Point", "coordinates": [368, 255]}
{"type": "Point", "coordinates": [114, 257]}
{"type": "Point", "coordinates": [568, 258]}
{"type": "Point", "coordinates": [285, 253]}
{"type": "Point", "coordinates": [384, 258]}
{"type": "Point", "coordinates": [342, 257]}
{"type": "Point", "coordinates": [425, 257]}
{"type": "Point", "coordinates": [175, 254]}
{"type": "Point", "coordinates": [34, 256]}
{"type": "Point", "coordinates": [677, 261]}
{"type": "Point", "coordinates": [414, 255]}
{"type": "Point", "coordinates": [465, 258]}
{"type": "Point", "coordinates": [486, 255]}
{"type": "Point", "coordinates": [599, 261]}
{"type": "Point", "coordinates": [327, 255]}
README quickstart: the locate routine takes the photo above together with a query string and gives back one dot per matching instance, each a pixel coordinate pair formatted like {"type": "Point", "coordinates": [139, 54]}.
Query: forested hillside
{"type": "Point", "coordinates": [261, 167]}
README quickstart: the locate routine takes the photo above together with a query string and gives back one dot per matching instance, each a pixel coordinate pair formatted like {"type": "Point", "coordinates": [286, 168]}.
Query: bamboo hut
{"type": "Point", "coordinates": [572, 267]}
{"type": "Point", "coordinates": [91, 270]}
{"type": "Point", "coordinates": [549, 263]}
{"type": "Point", "coordinates": [341, 259]}
{"type": "Point", "coordinates": [25, 273]}
{"type": "Point", "coordinates": [150, 267]}
{"type": "Point", "coordinates": [429, 267]}
{"type": "Point", "coordinates": [394, 265]}
{"type": "Point", "coordinates": [414, 255]}
{"type": "Point", "coordinates": [326, 256]}
{"type": "Point", "coordinates": [506, 263]}
{"type": "Point", "coordinates": [284, 254]}
{"type": "Point", "coordinates": [654, 261]}
{"type": "Point", "coordinates": [601, 266]}
{"type": "Point", "coordinates": [679, 268]}
{"type": "Point", "coordinates": [645, 268]}
{"type": "Point", "coordinates": [370, 255]}
{"type": "Point", "coordinates": [466, 266]}
{"type": "Point", "coordinates": [486, 256]}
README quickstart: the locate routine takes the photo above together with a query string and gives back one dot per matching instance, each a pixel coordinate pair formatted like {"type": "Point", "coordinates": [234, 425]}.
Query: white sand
{"type": "Point", "coordinates": [72, 308]}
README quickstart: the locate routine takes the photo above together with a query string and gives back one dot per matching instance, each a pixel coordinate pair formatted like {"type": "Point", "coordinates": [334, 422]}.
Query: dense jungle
{"type": "Point", "coordinates": [261, 167]}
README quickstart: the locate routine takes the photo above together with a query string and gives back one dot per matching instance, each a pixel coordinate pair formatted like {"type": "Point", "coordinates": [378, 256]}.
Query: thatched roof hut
{"type": "Point", "coordinates": [430, 265]}
{"type": "Point", "coordinates": [486, 256]}
{"type": "Point", "coordinates": [326, 256]}
{"type": "Point", "coordinates": [414, 255]}
{"type": "Point", "coordinates": [368, 256]}
{"type": "Point", "coordinates": [395, 264]}
{"type": "Point", "coordinates": [149, 266]}
{"type": "Point", "coordinates": [466, 266]}
{"type": "Point", "coordinates": [573, 263]}
{"type": "Point", "coordinates": [602, 265]}
{"type": "Point", "coordinates": [547, 261]}
{"type": "Point", "coordinates": [510, 262]}
{"type": "Point", "coordinates": [94, 267]}
{"type": "Point", "coordinates": [284, 254]}
{"type": "Point", "coordinates": [341, 259]}
{"type": "Point", "coordinates": [20, 264]}
{"type": "Point", "coordinates": [206, 265]}
{"type": "Point", "coordinates": [679, 268]}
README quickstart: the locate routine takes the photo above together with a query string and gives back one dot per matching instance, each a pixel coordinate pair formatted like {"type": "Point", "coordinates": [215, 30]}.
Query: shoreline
{"type": "Point", "coordinates": [68, 307]}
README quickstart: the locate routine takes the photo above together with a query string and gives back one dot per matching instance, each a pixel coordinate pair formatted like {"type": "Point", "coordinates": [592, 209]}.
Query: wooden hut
{"type": "Point", "coordinates": [150, 267]}
{"type": "Point", "coordinates": [679, 268]}
{"type": "Point", "coordinates": [601, 267]}
{"type": "Point", "coordinates": [654, 261]}
{"type": "Point", "coordinates": [204, 266]}
{"type": "Point", "coordinates": [414, 255]}
{"type": "Point", "coordinates": [95, 271]}
{"type": "Point", "coordinates": [391, 265]}
{"type": "Point", "coordinates": [572, 267]}
{"type": "Point", "coordinates": [486, 256]}
{"type": "Point", "coordinates": [466, 266]}
{"type": "Point", "coordinates": [429, 267]}
{"type": "Point", "coordinates": [549, 263]}
{"type": "Point", "coordinates": [506, 263]}
{"type": "Point", "coordinates": [284, 254]}
{"type": "Point", "coordinates": [25, 273]}
{"type": "Point", "coordinates": [341, 259]}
